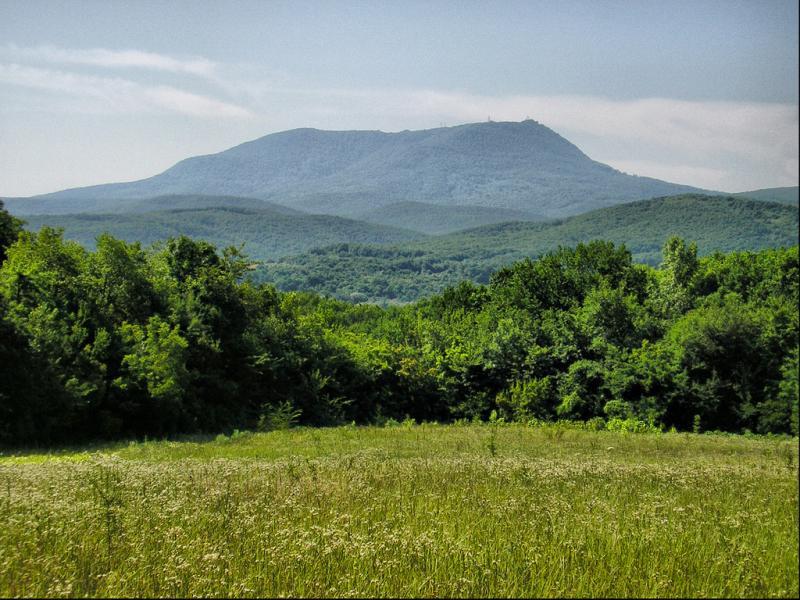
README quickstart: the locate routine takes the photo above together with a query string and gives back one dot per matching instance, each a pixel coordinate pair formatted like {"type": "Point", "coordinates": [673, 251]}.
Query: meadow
{"type": "Point", "coordinates": [471, 510]}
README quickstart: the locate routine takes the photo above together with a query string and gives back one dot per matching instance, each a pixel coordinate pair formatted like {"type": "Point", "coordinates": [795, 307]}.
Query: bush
{"type": "Point", "coordinates": [631, 425]}
{"type": "Point", "coordinates": [280, 417]}
{"type": "Point", "coordinates": [618, 409]}
{"type": "Point", "coordinates": [596, 424]}
{"type": "Point", "coordinates": [526, 399]}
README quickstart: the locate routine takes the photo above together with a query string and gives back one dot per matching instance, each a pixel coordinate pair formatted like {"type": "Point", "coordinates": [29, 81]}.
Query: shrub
{"type": "Point", "coordinates": [526, 399]}
{"type": "Point", "coordinates": [596, 424]}
{"type": "Point", "coordinates": [274, 418]}
{"type": "Point", "coordinates": [618, 409]}
{"type": "Point", "coordinates": [631, 425]}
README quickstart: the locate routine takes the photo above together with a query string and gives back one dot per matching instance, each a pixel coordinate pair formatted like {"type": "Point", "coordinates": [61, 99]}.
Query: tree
{"type": "Point", "coordinates": [583, 391]}
{"type": "Point", "coordinates": [155, 366]}
{"type": "Point", "coordinates": [9, 230]}
{"type": "Point", "coordinates": [527, 399]}
{"type": "Point", "coordinates": [120, 281]}
{"type": "Point", "coordinates": [720, 352]}
{"type": "Point", "coordinates": [615, 316]}
{"type": "Point", "coordinates": [678, 269]}
{"type": "Point", "coordinates": [789, 390]}
{"type": "Point", "coordinates": [32, 406]}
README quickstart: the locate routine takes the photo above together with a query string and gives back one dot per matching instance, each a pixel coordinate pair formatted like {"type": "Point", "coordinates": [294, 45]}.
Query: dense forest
{"type": "Point", "coordinates": [126, 341]}
{"type": "Point", "coordinates": [437, 219]}
{"type": "Point", "coordinates": [417, 269]}
{"type": "Point", "coordinates": [380, 259]}
{"type": "Point", "coordinates": [781, 195]}
{"type": "Point", "coordinates": [267, 231]}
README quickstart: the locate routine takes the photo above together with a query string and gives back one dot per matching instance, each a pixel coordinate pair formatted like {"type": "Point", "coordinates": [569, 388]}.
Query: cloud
{"type": "Point", "coordinates": [714, 178]}
{"type": "Point", "coordinates": [103, 57]}
{"type": "Point", "coordinates": [692, 126]}
{"type": "Point", "coordinates": [712, 144]}
{"type": "Point", "coordinates": [117, 94]}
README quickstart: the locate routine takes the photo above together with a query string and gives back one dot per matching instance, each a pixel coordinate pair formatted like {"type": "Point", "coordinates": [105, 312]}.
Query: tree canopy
{"type": "Point", "coordinates": [127, 341]}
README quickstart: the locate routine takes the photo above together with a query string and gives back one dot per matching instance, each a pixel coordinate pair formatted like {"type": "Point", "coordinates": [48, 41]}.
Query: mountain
{"type": "Point", "coordinates": [413, 270]}
{"type": "Point", "coordinates": [782, 195]}
{"type": "Point", "coordinates": [520, 166]}
{"type": "Point", "coordinates": [434, 219]}
{"type": "Point", "coordinates": [266, 231]}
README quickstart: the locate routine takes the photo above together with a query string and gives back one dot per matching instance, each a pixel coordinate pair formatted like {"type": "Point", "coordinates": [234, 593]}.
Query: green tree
{"type": "Point", "coordinates": [679, 267]}
{"type": "Point", "coordinates": [615, 316]}
{"type": "Point", "coordinates": [583, 391]}
{"type": "Point", "coordinates": [528, 399]}
{"type": "Point", "coordinates": [720, 351]}
{"type": "Point", "coordinates": [9, 230]}
{"type": "Point", "coordinates": [155, 366]}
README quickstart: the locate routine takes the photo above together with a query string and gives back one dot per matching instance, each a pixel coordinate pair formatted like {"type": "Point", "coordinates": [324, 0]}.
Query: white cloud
{"type": "Point", "coordinates": [117, 94]}
{"type": "Point", "coordinates": [103, 57]}
{"type": "Point", "coordinates": [721, 145]}
{"type": "Point", "coordinates": [695, 127]}
{"type": "Point", "coordinates": [713, 178]}
{"type": "Point", "coordinates": [192, 104]}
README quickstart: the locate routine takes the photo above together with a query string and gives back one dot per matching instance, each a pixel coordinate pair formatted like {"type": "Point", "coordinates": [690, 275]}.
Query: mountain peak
{"type": "Point", "coordinates": [505, 164]}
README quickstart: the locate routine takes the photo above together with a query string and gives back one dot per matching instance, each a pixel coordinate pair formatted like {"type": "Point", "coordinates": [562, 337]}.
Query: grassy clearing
{"type": "Point", "coordinates": [429, 510]}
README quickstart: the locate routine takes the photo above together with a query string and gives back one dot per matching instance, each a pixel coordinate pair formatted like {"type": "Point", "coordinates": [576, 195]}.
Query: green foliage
{"type": "Point", "coordinates": [618, 409]}
{"type": "Point", "coordinates": [418, 269]}
{"type": "Point", "coordinates": [528, 399]}
{"type": "Point", "coordinates": [630, 425]}
{"type": "Point", "coordinates": [156, 359]}
{"type": "Point", "coordinates": [680, 262]}
{"type": "Point", "coordinates": [696, 424]}
{"type": "Point", "coordinates": [435, 219]}
{"type": "Point", "coordinates": [782, 195]}
{"type": "Point", "coordinates": [267, 233]}
{"type": "Point", "coordinates": [126, 341]}
{"type": "Point", "coordinates": [787, 398]}
{"type": "Point", "coordinates": [277, 418]}
{"type": "Point", "coordinates": [726, 354]}
{"type": "Point", "coordinates": [9, 230]}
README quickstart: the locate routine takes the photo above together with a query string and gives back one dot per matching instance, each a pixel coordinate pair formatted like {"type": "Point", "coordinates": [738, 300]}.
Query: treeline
{"type": "Point", "coordinates": [126, 341]}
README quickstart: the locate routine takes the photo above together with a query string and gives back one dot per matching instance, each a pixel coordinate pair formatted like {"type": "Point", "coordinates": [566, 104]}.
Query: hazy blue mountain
{"type": "Point", "coordinates": [65, 206]}
{"type": "Point", "coordinates": [417, 269]}
{"type": "Point", "coordinates": [266, 232]}
{"type": "Point", "coordinates": [521, 166]}
{"type": "Point", "coordinates": [782, 195]}
{"type": "Point", "coordinates": [435, 219]}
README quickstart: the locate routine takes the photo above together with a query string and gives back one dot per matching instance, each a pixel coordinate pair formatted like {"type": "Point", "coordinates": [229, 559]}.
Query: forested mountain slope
{"type": "Point", "coordinates": [413, 270]}
{"type": "Point", "coordinates": [70, 206]}
{"type": "Point", "coordinates": [265, 232]}
{"type": "Point", "coordinates": [782, 195]}
{"type": "Point", "coordinates": [433, 219]}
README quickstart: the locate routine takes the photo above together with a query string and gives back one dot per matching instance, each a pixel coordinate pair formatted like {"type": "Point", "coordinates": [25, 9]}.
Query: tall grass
{"type": "Point", "coordinates": [406, 511]}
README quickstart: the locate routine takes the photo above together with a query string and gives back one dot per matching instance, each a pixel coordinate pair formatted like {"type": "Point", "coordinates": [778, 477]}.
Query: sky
{"type": "Point", "coordinates": [696, 92]}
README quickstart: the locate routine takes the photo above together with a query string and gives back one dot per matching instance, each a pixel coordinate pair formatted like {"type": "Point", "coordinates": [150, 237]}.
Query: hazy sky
{"type": "Point", "coordinates": [696, 92]}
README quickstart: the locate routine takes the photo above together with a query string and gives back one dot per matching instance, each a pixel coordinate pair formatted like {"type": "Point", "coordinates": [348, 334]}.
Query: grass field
{"type": "Point", "coordinates": [430, 510]}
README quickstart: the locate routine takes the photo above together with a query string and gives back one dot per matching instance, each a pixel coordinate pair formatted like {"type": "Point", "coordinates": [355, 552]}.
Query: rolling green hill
{"type": "Point", "coordinates": [521, 166]}
{"type": "Point", "coordinates": [71, 206]}
{"type": "Point", "coordinates": [782, 195]}
{"type": "Point", "coordinates": [412, 270]}
{"type": "Point", "coordinates": [266, 232]}
{"type": "Point", "coordinates": [433, 219]}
